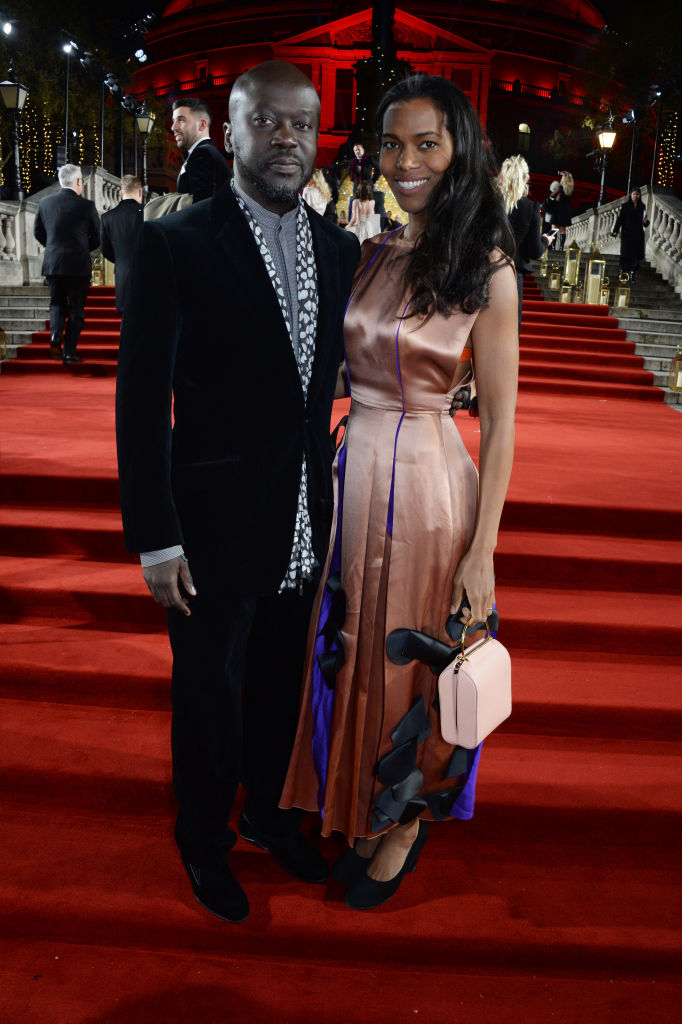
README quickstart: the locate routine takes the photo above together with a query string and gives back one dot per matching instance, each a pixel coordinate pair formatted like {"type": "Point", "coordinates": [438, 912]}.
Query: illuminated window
{"type": "Point", "coordinates": [524, 138]}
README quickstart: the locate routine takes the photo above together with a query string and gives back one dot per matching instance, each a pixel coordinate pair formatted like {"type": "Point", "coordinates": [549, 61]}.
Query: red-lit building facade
{"type": "Point", "coordinates": [518, 63]}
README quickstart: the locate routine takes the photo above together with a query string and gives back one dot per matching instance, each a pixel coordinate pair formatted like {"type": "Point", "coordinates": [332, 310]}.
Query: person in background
{"type": "Point", "coordinates": [119, 230]}
{"type": "Point", "coordinates": [318, 195]}
{"type": "Point", "coordinates": [631, 221]}
{"type": "Point", "coordinates": [561, 213]}
{"type": "Point", "coordinates": [524, 217]}
{"type": "Point", "coordinates": [364, 222]}
{"type": "Point", "coordinates": [68, 226]}
{"type": "Point", "coordinates": [205, 168]}
{"type": "Point", "coordinates": [363, 167]}
{"type": "Point", "coordinates": [547, 206]}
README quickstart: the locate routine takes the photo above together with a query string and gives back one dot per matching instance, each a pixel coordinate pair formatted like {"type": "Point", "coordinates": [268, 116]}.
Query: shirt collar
{"type": "Point", "coordinates": [266, 218]}
{"type": "Point", "coordinates": [195, 144]}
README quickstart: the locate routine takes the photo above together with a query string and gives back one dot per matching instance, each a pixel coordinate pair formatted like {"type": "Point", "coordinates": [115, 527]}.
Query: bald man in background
{"type": "Point", "coordinates": [234, 302]}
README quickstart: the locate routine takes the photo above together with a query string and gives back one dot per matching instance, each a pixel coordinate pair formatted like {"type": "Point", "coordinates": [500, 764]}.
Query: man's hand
{"type": "Point", "coordinates": [162, 580]}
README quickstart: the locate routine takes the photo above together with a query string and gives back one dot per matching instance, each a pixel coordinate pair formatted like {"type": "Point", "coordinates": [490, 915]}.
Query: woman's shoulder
{"type": "Point", "coordinates": [501, 262]}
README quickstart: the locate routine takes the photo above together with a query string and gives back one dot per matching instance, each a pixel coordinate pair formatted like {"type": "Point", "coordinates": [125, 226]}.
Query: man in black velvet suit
{"type": "Point", "coordinates": [205, 169]}
{"type": "Point", "coordinates": [120, 228]}
{"type": "Point", "coordinates": [235, 314]}
{"type": "Point", "coordinates": [68, 226]}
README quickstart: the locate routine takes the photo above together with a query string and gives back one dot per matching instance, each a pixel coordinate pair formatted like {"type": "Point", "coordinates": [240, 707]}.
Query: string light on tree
{"type": "Point", "coordinates": [666, 161]}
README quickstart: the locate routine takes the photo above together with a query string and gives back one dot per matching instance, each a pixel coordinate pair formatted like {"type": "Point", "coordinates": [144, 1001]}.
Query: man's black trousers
{"type": "Point", "coordinates": [237, 676]}
{"type": "Point", "coordinates": [68, 293]}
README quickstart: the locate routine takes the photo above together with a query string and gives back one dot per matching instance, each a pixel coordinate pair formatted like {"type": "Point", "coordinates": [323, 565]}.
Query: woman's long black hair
{"type": "Point", "coordinates": [450, 267]}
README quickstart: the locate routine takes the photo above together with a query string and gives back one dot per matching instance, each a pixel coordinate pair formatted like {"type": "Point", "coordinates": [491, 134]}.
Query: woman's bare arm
{"type": "Point", "coordinates": [342, 390]}
{"type": "Point", "coordinates": [496, 353]}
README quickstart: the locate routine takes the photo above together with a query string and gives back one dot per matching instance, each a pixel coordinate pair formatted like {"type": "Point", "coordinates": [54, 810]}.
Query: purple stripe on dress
{"type": "Point", "coordinates": [389, 515]}
{"type": "Point", "coordinates": [463, 807]}
{"type": "Point", "coordinates": [323, 696]}
{"type": "Point", "coordinates": [350, 297]}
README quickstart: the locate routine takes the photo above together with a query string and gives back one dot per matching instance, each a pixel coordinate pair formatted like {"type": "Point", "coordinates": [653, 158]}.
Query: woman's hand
{"type": "Point", "coordinates": [475, 577]}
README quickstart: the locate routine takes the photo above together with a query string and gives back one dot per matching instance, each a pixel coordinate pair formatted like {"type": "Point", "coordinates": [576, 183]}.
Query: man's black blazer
{"type": "Point", "coordinates": [120, 228]}
{"type": "Point", "coordinates": [525, 222]}
{"type": "Point", "coordinates": [206, 169]}
{"type": "Point", "coordinates": [68, 226]}
{"type": "Point", "coordinates": [203, 324]}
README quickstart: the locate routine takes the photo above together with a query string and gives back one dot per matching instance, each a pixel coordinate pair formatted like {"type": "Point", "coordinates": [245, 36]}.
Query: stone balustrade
{"type": "Point", "coordinates": [663, 237]}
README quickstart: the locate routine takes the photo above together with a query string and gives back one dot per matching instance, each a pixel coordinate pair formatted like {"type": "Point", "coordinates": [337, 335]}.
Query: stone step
{"type": "Point", "coordinates": [654, 351]}
{"type": "Point", "coordinates": [23, 324]}
{"type": "Point", "coordinates": [662, 327]}
{"type": "Point", "coordinates": [633, 313]}
{"type": "Point", "coordinates": [15, 339]}
{"type": "Point", "coordinates": [657, 364]}
{"type": "Point", "coordinates": [24, 313]}
{"type": "Point", "coordinates": [8, 291]}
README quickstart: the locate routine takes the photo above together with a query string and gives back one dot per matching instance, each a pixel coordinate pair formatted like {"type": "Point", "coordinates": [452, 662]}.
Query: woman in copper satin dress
{"type": "Point", "coordinates": [414, 530]}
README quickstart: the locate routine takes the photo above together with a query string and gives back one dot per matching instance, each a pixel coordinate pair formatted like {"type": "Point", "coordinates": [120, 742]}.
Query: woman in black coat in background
{"type": "Point", "coordinates": [631, 222]}
{"type": "Point", "coordinates": [524, 217]}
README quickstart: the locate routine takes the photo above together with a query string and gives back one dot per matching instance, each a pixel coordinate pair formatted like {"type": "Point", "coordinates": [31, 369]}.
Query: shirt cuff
{"type": "Point", "coordinates": [148, 558]}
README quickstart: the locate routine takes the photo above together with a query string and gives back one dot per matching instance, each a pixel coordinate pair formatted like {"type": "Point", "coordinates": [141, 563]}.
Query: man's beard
{"type": "Point", "coordinates": [285, 193]}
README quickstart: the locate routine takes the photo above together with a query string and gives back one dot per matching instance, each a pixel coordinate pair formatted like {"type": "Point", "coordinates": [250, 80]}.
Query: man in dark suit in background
{"type": "Point", "coordinates": [120, 228]}
{"type": "Point", "coordinates": [235, 305]}
{"type": "Point", "coordinates": [68, 226]}
{"type": "Point", "coordinates": [205, 169]}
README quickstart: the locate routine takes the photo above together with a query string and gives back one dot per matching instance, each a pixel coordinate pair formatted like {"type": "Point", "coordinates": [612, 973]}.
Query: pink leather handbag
{"type": "Point", "coordinates": [474, 693]}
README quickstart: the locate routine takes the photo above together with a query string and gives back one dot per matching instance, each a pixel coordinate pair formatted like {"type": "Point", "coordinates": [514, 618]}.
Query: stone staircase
{"type": "Point", "coordinates": [23, 311]}
{"type": "Point", "coordinates": [652, 321]}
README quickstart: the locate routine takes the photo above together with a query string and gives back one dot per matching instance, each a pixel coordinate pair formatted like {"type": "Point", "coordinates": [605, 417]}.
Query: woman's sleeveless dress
{"type": "Point", "coordinates": [406, 494]}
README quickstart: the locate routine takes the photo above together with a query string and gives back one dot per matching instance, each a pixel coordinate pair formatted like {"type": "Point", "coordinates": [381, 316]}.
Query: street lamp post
{"type": "Point", "coordinates": [67, 48]}
{"type": "Point", "coordinates": [607, 137]}
{"type": "Point", "coordinates": [14, 97]}
{"type": "Point", "coordinates": [658, 97]}
{"type": "Point", "coordinates": [145, 124]}
{"type": "Point", "coordinates": [631, 118]}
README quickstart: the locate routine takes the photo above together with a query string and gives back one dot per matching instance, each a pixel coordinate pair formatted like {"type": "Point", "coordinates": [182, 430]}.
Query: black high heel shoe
{"type": "Point", "coordinates": [350, 865]}
{"type": "Point", "coordinates": [366, 892]}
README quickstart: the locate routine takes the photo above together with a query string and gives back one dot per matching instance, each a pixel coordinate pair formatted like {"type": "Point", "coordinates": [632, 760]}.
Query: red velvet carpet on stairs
{"type": "Point", "coordinates": [559, 902]}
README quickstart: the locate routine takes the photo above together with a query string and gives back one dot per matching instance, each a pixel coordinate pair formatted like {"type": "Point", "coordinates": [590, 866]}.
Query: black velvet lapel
{"type": "Point", "coordinates": [327, 257]}
{"type": "Point", "coordinates": [247, 272]}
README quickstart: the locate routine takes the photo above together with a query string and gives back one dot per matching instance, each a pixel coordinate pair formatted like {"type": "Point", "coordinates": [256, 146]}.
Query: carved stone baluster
{"type": "Point", "coordinates": [3, 240]}
{"type": "Point", "coordinates": [654, 214]}
{"type": "Point", "coordinates": [667, 230]}
{"type": "Point", "coordinates": [10, 238]}
{"type": "Point", "coordinates": [674, 241]}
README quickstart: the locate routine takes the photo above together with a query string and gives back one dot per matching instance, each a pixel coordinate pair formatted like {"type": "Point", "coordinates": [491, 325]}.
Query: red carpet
{"type": "Point", "coordinates": [559, 901]}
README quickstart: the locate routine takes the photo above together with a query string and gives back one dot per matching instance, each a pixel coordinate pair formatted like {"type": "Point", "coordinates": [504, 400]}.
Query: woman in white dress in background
{"type": "Point", "coordinates": [364, 222]}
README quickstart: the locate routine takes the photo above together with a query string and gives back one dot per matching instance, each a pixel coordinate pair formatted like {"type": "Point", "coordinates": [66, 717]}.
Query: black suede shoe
{"type": "Point", "coordinates": [293, 852]}
{"type": "Point", "coordinates": [366, 892]}
{"type": "Point", "coordinates": [216, 888]}
{"type": "Point", "coordinates": [349, 866]}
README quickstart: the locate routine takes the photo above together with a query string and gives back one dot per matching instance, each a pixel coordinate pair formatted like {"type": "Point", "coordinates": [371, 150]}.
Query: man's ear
{"type": "Point", "coordinates": [227, 133]}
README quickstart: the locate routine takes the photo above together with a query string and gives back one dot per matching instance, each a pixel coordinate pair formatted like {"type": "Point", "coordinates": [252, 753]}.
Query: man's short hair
{"type": "Point", "coordinates": [69, 175]}
{"type": "Point", "coordinates": [194, 104]}
{"type": "Point", "coordinates": [129, 183]}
